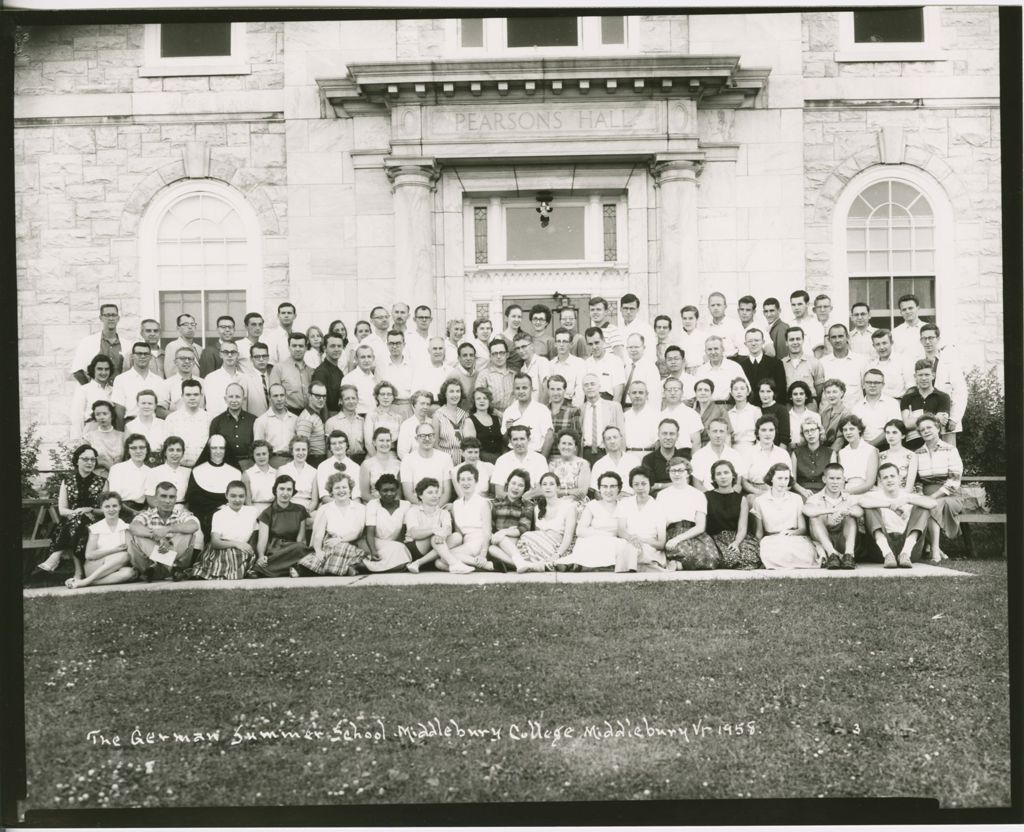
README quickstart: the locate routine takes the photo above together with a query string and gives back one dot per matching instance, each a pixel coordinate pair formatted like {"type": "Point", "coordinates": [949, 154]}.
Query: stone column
{"type": "Point", "coordinates": [412, 180]}
{"type": "Point", "coordinates": [675, 175]}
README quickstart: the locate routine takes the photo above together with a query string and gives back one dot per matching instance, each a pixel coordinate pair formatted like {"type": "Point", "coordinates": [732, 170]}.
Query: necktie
{"type": "Point", "coordinates": [266, 392]}
{"type": "Point", "coordinates": [625, 390]}
{"type": "Point", "coordinates": [593, 425]}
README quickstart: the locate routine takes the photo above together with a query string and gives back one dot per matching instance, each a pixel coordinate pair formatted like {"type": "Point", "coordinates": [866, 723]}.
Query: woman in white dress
{"type": "Point", "coordinates": [230, 554]}
{"type": "Point", "coordinates": [338, 526]}
{"type": "Point", "coordinates": [471, 521]}
{"type": "Point", "coordinates": [858, 458]}
{"type": "Point", "coordinates": [780, 525]}
{"type": "Point", "coordinates": [385, 522]}
{"type": "Point", "coordinates": [642, 526]}
{"type": "Point", "coordinates": [106, 551]}
{"type": "Point", "coordinates": [905, 460]}
{"type": "Point", "coordinates": [743, 416]}
{"type": "Point", "coordinates": [259, 478]}
{"type": "Point", "coordinates": [760, 458]}
{"type": "Point", "coordinates": [314, 355]}
{"type": "Point", "coordinates": [598, 545]}
{"type": "Point", "coordinates": [171, 470]}
{"type": "Point", "coordinates": [128, 478]}
{"type": "Point", "coordinates": [307, 492]}
{"type": "Point", "coordinates": [554, 522]}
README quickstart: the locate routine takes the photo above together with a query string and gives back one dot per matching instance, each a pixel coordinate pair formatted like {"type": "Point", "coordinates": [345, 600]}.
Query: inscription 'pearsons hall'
{"type": "Point", "coordinates": [542, 120]}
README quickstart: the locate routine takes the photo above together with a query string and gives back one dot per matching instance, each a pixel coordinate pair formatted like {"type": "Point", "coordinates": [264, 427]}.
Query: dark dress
{"type": "Point", "coordinates": [72, 533]}
{"type": "Point", "coordinates": [283, 551]}
{"type": "Point", "coordinates": [492, 443]}
{"type": "Point", "coordinates": [810, 465]}
{"type": "Point", "coordinates": [781, 414]}
{"type": "Point", "coordinates": [722, 520]}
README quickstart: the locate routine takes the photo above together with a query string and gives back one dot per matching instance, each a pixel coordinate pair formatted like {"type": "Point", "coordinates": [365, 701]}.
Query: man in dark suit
{"type": "Point", "coordinates": [757, 366]}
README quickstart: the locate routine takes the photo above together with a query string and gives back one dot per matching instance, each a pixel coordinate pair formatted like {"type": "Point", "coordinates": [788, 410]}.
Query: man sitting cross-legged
{"type": "Point", "coordinates": [169, 527]}
{"type": "Point", "coordinates": [895, 518]}
{"type": "Point", "coordinates": [833, 514]}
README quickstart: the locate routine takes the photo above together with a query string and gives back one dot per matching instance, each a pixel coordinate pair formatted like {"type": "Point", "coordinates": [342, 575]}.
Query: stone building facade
{"type": "Point", "coordinates": [344, 164]}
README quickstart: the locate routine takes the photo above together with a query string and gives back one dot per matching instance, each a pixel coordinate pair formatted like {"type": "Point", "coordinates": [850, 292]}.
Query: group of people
{"type": "Point", "coordinates": [730, 443]}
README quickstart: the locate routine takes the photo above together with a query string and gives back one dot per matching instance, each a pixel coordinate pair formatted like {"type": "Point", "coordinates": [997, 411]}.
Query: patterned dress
{"type": "Point", "coordinates": [681, 507]}
{"type": "Point", "coordinates": [569, 473]}
{"type": "Point", "coordinates": [541, 545]}
{"type": "Point", "coordinates": [341, 526]}
{"type": "Point", "coordinates": [72, 533]}
{"type": "Point", "coordinates": [900, 457]}
{"type": "Point", "coordinates": [230, 564]}
{"type": "Point", "coordinates": [722, 522]}
{"type": "Point", "coordinates": [449, 432]}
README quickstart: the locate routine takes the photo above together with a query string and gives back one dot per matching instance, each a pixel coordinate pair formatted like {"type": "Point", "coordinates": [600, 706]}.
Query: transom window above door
{"type": "Point", "coordinates": [577, 230]}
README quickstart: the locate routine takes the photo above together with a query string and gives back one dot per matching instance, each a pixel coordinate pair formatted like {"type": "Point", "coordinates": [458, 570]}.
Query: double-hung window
{"type": "Point", "coordinates": [209, 48]}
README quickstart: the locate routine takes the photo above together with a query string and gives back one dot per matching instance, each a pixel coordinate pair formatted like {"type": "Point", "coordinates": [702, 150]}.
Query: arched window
{"type": "Point", "coordinates": [201, 255]}
{"type": "Point", "coordinates": [890, 250]}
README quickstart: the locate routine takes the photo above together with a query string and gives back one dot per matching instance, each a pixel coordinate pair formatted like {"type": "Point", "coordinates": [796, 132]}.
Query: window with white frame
{"type": "Point", "coordinates": [209, 48]}
{"type": "Point", "coordinates": [576, 230]}
{"type": "Point", "coordinates": [200, 246]}
{"type": "Point", "coordinates": [890, 250]}
{"type": "Point", "coordinates": [893, 33]}
{"type": "Point", "coordinates": [551, 34]}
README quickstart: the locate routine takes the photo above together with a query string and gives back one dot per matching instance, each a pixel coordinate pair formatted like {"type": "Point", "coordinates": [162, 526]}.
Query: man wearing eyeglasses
{"type": "Point", "coordinates": [137, 378]}
{"type": "Point", "coordinates": [185, 369]}
{"type": "Point", "coordinates": [417, 341]}
{"type": "Point", "coordinates": [310, 423]}
{"type": "Point", "coordinates": [108, 341]}
{"type": "Point", "coordinates": [497, 377]}
{"type": "Point", "coordinates": [874, 408]}
{"type": "Point", "coordinates": [215, 384]}
{"type": "Point", "coordinates": [949, 378]}
{"type": "Point", "coordinates": [212, 358]}
{"type": "Point", "coordinates": [426, 461]}
{"type": "Point", "coordinates": [150, 332]}
{"type": "Point", "coordinates": [186, 339]}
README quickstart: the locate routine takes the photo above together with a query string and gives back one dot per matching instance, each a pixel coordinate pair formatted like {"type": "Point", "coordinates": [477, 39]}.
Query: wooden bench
{"type": "Point", "coordinates": [981, 516]}
{"type": "Point", "coordinates": [44, 509]}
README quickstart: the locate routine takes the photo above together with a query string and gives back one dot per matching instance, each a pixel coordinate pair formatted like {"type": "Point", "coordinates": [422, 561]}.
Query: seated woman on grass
{"type": "Point", "coordinates": [598, 545]}
{"type": "Point", "coordinates": [80, 489]}
{"type": "Point", "coordinates": [336, 531]}
{"type": "Point", "coordinates": [686, 509]}
{"type": "Point", "coordinates": [230, 555]}
{"type": "Point", "coordinates": [281, 539]}
{"type": "Point", "coordinates": [471, 519]}
{"type": "Point", "coordinates": [511, 517]}
{"type": "Point", "coordinates": [642, 526]}
{"type": "Point", "coordinates": [385, 520]}
{"type": "Point", "coordinates": [428, 526]}
{"type": "Point", "coordinates": [106, 552]}
{"type": "Point", "coordinates": [781, 526]}
{"type": "Point", "coordinates": [728, 520]}
{"type": "Point", "coordinates": [939, 469]}
{"type": "Point", "coordinates": [554, 522]}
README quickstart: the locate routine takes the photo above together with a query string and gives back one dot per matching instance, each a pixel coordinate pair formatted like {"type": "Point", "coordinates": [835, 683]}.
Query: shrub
{"type": "Point", "coordinates": [982, 444]}
{"type": "Point", "coordinates": [60, 464]}
{"type": "Point", "coordinates": [30, 442]}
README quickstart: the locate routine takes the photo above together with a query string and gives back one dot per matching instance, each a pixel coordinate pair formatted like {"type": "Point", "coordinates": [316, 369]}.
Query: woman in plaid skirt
{"type": "Point", "coordinates": [338, 525]}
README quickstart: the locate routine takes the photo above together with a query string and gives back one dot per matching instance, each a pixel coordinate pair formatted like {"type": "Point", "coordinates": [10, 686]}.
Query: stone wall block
{"type": "Point", "coordinates": [172, 172]}
{"type": "Point", "coordinates": [268, 150]}
{"type": "Point", "coordinates": [37, 142]}
{"type": "Point", "coordinates": [918, 156]}
{"type": "Point", "coordinates": [61, 215]}
{"type": "Point", "coordinates": [222, 167]}
{"type": "Point", "coordinates": [198, 83]}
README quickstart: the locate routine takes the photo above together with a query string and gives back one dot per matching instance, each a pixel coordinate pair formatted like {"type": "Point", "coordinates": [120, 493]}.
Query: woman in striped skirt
{"type": "Point", "coordinates": [230, 554]}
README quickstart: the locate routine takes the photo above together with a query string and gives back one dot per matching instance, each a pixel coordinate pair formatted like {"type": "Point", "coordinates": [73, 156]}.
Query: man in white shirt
{"type": "Point", "coordinates": [614, 342]}
{"type": "Point", "coordinates": [191, 422]}
{"type": "Point", "coordinates": [186, 338]}
{"type": "Point", "coordinates": [524, 410]}
{"type": "Point", "coordinates": [128, 384]}
{"type": "Point", "coordinates": [875, 409]}
{"type": "Point", "coordinates": [675, 362]}
{"type": "Point", "coordinates": [716, 449]}
{"type": "Point", "coordinates": [632, 323]}
{"type": "Point", "coordinates": [363, 378]}
{"type": "Point", "coordinates": [426, 461]}
{"type": "Point", "coordinates": [949, 377]}
{"type": "Point", "coordinates": [253, 322]}
{"type": "Point", "coordinates": [149, 329]}
{"type": "Point", "coordinates": [603, 364]}
{"type": "Point", "coordinates": [720, 370]}
{"type": "Point", "coordinates": [186, 367]}
{"type": "Point", "coordinates": [396, 368]}
{"type": "Point", "coordinates": [216, 383]}
{"type": "Point", "coordinates": [533, 365]}
{"type": "Point", "coordinates": [400, 316]}
{"type": "Point", "coordinates": [378, 338]}
{"type": "Point", "coordinates": [147, 422]}
{"type": "Point", "coordinates": [690, 424]}
{"type": "Point", "coordinates": [729, 330]}
{"type": "Point", "coordinates": [843, 364]}
{"type": "Point", "coordinates": [814, 333]}
{"type": "Point", "coordinates": [861, 330]}
{"type": "Point", "coordinates": [597, 414]}
{"type": "Point", "coordinates": [640, 422]}
{"type": "Point", "coordinates": [899, 375]}
{"type": "Point", "coordinates": [691, 338]}
{"type": "Point", "coordinates": [277, 339]}
{"type": "Point", "coordinates": [615, 459]}
{"type": "Point", "coordinates": [417, 341]}
{"type": "Point", "coordinates": [520, 456]}
{"type": "Point", "coordinates": [640, 365]}
{"type": "Point", "coordinates": [109, 341]}
{"type": "Point", "coordinates": [823, 313]}
{"type": "Point", "coordinates": [431, 376]}
{"type": "Point", "coordinates": [568, 366]}
{"type": "Point", "coordinates": [277, 426]}
{"type": "Point", "coordinates": [906, 338]}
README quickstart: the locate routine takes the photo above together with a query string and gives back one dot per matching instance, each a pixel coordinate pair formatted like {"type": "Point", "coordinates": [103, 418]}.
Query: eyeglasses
{"type": "Point", "coordinates": [318, 395]}
{"type": "Point", "coordinates": [499, 352]}
{"type": "Point", "coordinates": [261, 355]}
{"type": "Point", "coordinates": [186, 358]}
{"type": "Point", "coordinates": [141, 354]}
{"type": "Point", "coordinates": [111, 315]}
{"type": "Point", "coordinates": [229, 352]}
{"type": "Point", "coordinates": [424, 435]}
{"type": "Point", "coordinates": [188, 324]}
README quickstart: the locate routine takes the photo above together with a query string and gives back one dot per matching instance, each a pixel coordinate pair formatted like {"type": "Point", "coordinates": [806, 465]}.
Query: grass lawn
{"type": "Point", "coordinates": [853, 688]}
